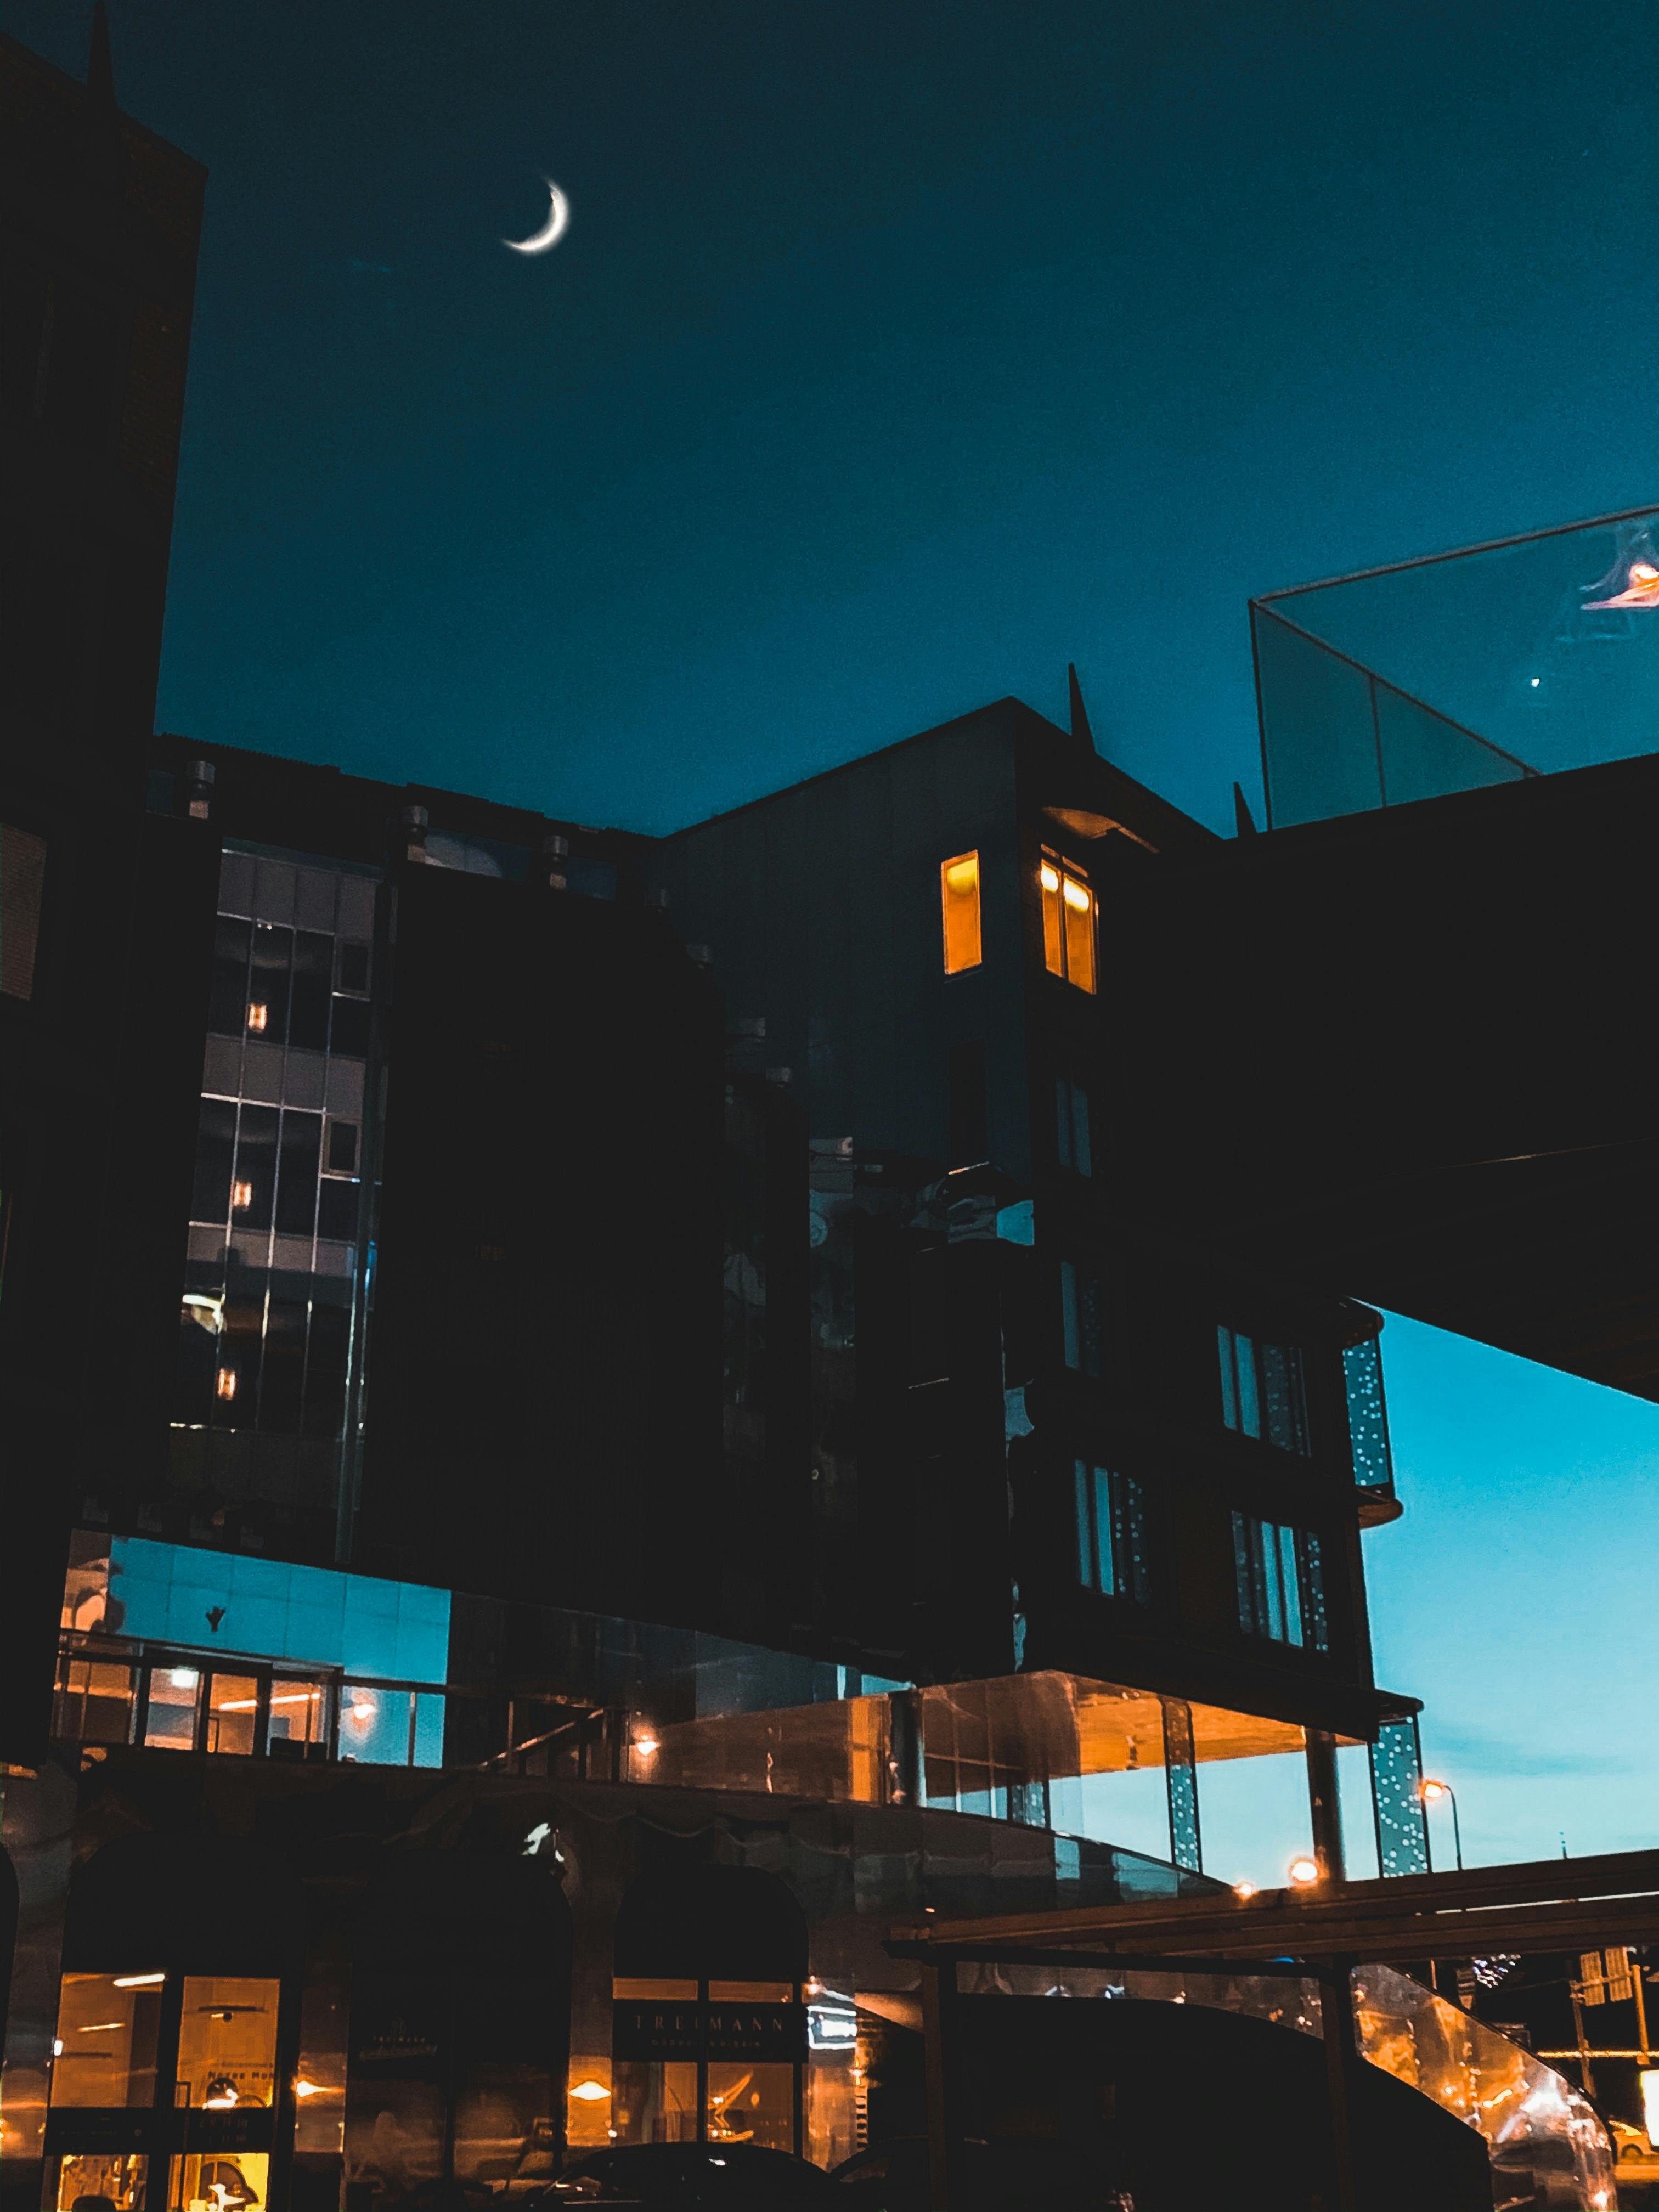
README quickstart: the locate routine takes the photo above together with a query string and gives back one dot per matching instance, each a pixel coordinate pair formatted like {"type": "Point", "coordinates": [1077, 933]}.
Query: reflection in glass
{"type": "Point", "coordinates": [105, 2047]}
{"type": "Point", "coordinates": [175, 1701]}
{"type": "Point", "coordinates": [655, 2100]}
{"type": "Point", "coordinates": [751, 2103]}
{"type": "Point", "coordinates": [219, 2181]}
{"type": "Point", "coordinates": [233, 1708]}
{"type": "Point", "coordinates": [319, 2081]}
{"type": "Point", "coordinates": [89, 2181]}
{"type": "Point", "coordinates": [299, 1718]}
{"type": "Point", "coordinates": [227, 2043]}
{"type": "Point", "coordinates": [94, 1702]}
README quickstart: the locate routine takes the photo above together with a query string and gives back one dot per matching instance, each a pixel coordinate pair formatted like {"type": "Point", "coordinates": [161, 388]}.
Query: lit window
{"type": "Point", "coordinates": [1111, 1533]}
{"type": "Point", "coordinates": [1281, 1583]}
{"type": "Point", "coordinates": [258, 1016]}
{"type": "Point", "coordinates": [241, 1197]}
{"type": "Point", "coordinates": [958, 882]}
{"type": "Point", "coordinates": [1262, 1393]}
{"type": "Point", "coordinates": [225, 1385]}
{"type": "Point", "coordinates": [1068, 923]}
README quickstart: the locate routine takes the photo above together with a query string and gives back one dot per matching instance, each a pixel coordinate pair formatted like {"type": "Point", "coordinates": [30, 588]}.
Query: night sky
{"type": "Point", "coordinates": [900, 351]}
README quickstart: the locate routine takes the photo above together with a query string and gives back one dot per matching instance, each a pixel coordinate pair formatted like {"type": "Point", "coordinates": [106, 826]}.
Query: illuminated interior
{"type": "Point", "coordinates": [115, 2181]}
{"type": "Point", "coordinates": [219, 2181]}
{"type": "Point", "coordinates": [1068, 923]}
{"type": "Point", "coordinates": [227, 2043]}
{"type": "Point", "coordinates": [959, 896]}
{"type": "Point", "coordinates": [107, 2026]}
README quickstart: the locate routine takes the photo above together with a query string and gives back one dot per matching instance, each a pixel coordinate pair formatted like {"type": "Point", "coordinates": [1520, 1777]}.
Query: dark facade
{"type": "Point", "coordinates": [99, 221]}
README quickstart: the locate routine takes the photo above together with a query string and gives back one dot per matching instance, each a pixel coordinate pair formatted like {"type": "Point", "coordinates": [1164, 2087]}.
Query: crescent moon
{"type": "Point", "coordinates": [558, 222]}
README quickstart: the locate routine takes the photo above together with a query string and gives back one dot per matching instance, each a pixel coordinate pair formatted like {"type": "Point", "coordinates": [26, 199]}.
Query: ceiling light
{"type": "Point", "coordinates": [591, 2093]}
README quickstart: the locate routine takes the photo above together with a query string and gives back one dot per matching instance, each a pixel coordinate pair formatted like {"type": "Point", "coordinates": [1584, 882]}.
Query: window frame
{"type": "Point", "coordinates": [1111, 1504]}
{"type": "Point", "coordinates": [1279, 1576]}
{"type": "Point", "coordinates": [1249, 1384]}
{"type": "Point", "coordinates": [962, 911]}
{"type": "Point", "coordinates": [1061, 940]}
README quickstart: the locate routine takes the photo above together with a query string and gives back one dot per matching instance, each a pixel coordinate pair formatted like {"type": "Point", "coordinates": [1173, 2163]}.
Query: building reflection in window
{"type": "Point", "coordinates": [105, 2047]}
{"type": "Point", "coordinates": [227, 2043]}
{"type": "Point", "coordinates": [92, 2181]}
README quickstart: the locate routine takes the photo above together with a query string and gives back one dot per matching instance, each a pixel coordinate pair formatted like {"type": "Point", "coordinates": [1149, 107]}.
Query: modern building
{"type": "Point", "coordinates": [603, 1419]}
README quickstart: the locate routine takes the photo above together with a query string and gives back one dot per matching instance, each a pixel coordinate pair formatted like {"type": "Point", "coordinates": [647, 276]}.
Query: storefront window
{"type": "Point", "coordinates": [233, 1709]}
{"type": "Point", "coordinates": [104, 2054]}
{"type": "Point", "coordinates": [175, 1703]}
{"type": "Point", "coordinates": [299, 1719]}
{"type": "Point", "coordinates": [94, 1702]}
{"type": "Point", "coordinates": [219, 2181]}
{"type": "Point", "coordinates": [227, 2043]}
{"type": "Point", "coordinates": [751, 2104]}
{"type": "Point", "coordinates": [91, 2181]}
{"type": "Point", "coordinates": [319, 2083]}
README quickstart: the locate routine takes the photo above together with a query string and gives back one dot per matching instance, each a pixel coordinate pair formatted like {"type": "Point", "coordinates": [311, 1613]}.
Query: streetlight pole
{"type": "Point", "coordinates": [1432, 1790]}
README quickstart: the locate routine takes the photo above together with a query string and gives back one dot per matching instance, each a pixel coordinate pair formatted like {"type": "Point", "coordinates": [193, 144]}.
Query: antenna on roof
{"type": "Point", "coordinates": [1079, 711]}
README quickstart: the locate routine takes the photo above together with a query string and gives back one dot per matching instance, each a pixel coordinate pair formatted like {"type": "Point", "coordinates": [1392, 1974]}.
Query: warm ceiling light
{"type": "Point", "coordinates": [241, 1197]}
{"type": "Point", "coordinates": [225, 1385]}
{"type": "Point", "coordinates": [304, 2088]}
{"type": "Point", "coordinates": [137, 1981]}
{"type": "Point", "coordinates": [100, 2028]}
{"type": "Point", "coordinates": [1050, 878]}
{"type": "Point", "coordinates": [645, 1745]}
{"type": "Point", "coordinates": [259, 1015]}
{"type": "Point", "coordinates": [1302, 1873]}
{"type": "Point", "coordinates": [591, 2093]}
{"type": "Point", "coordinates": [241, 1705]}
{"type": "Point", "coordinates": [296, 1697]}
{"type": "Point", "coordinates": [184, 1678]}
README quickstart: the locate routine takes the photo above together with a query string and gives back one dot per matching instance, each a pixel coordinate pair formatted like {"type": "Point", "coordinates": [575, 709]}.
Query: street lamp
{"type": "Point", "coordinates": [1431, 1792]}
{"type": "Point", "coordinates": [1302, 1872]}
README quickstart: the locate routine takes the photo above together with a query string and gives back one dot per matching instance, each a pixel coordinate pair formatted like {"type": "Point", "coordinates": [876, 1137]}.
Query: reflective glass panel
{"type": "Point", "coordinates": [105, 2046]}
{"type": "Point", "coordinates": [227, 2042]}
{"type": "Point", "coordinates": [233, 1709]}
{"type": "Point", "coordinates": [749, 2103]}
{"type": "Point", "coordinates": [92, 2181]}
{"type": "Point", "coordinates": [175, 1701]}
{"type": "Point", "coordinates": [298, 1718]}
{"type": "Point", "coordinates": [219, 2181]}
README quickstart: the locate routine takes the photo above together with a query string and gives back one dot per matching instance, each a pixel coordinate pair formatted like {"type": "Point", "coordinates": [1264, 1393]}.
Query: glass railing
{"type": "Point", "coordinates": [1466, 669]}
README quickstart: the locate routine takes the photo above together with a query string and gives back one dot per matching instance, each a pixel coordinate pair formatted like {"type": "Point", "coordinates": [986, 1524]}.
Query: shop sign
{"type": "Point", "coordinates": [656, 2028]}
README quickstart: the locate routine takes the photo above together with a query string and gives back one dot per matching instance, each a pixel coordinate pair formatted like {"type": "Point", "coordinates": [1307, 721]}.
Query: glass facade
{"type": "Point", "coordinates": [1111, 1533]}
{"type": "Point", "coordinates": [1263, 1392]}
{"type": "Point", "coordinates": [1368, 1414]}
{"type": "Point", "coordinates": [1281, 1577]}
{"type": "Point", "coordinates": [274, 1307]}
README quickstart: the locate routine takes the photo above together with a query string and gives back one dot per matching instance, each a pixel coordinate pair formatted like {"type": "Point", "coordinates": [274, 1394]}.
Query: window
{"type": "Point", "coordinates": [1111, 1533]}
{"type": "Point", "coordinates": [1281, 1583]}
{"type": "Point", "coordinates": [1079, 1318]}
{"type": "Point", "coordinates": [22, 875]}
{"type": "Point", "coordinates": [1071, 1126]}
{"type": "Point", "coordinates": [108, 2028]}
{"type": "Point", "coordinates": [1261, 1390]}
{"type": "Point", "coordinates": [970, 1136]}
{"type": "Point", "coordinates": [1068, 923]}
{"type": "Point", "coordinates": [959, 883]}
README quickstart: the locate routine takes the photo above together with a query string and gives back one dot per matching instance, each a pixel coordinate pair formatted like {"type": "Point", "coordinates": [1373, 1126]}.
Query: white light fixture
{"type": "Point", "coordinates": [1245, 1889]}
{"type": "Point", "coordinates": [591, 2093]}
{"type": "Point", "coordinates": [647, 1746]}
{"type": "Point", "coordinates": [1302, 1873]}
{"type": "Point", "coordinates": [137, 1981]}
{"type": "Point", "coordinates": [184, 1678]}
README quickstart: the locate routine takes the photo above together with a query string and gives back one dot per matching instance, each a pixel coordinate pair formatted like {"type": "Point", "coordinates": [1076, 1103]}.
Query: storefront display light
{"type": "Point", "coordinates": [221, 2094]}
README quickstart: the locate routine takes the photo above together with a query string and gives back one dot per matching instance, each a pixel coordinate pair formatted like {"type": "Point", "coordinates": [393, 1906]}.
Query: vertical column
{"type": "Point", "coordinates": [1181, 1771]}
{"type": "Point", "coordinates": [1323, 1805]}
{"type": "Point", "coordinates": [1402, 1827]}
{"type": "Point", "coordinates": [939, 2004]}
{"type": "Point", "coordinates": [1341, 2065]}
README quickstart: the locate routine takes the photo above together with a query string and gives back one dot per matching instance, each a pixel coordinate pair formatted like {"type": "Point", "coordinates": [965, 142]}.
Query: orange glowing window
{"type": "Point", "coordinates": [958, 883]}
{"type": "Point", "coordinates": [226, 1383]}
{"type": "Point", "coordinates": [1068, 923]}
{"type": "Point", "coordinates": [259, 1015]}
{"type": "Point", "coordinates": [242, 1196]}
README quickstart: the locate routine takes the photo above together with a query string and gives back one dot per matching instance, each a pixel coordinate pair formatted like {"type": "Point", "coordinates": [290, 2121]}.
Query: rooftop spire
{"type": "Point", "coordinates": [101, 124]}
{"type": "Point", "coordinates": [1079, 711]}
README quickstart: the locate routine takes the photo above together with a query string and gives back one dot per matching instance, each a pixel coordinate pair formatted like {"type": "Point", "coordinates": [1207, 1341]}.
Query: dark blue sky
{"type": "Point", "coordinates": [899, 352]}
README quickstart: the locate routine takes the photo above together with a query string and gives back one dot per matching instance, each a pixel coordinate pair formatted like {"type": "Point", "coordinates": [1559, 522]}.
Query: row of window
{"type": "Point", "coordinates": [257, 1360]}
{"type": "Point", "coordinates": [301, 986]}
{"type": "Point", "coordinates": [1280, 1573]}
{"type": "Point", "coordinates": [262, 1167]}
{"type": "Point", "coordinates": [1068, 918]}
